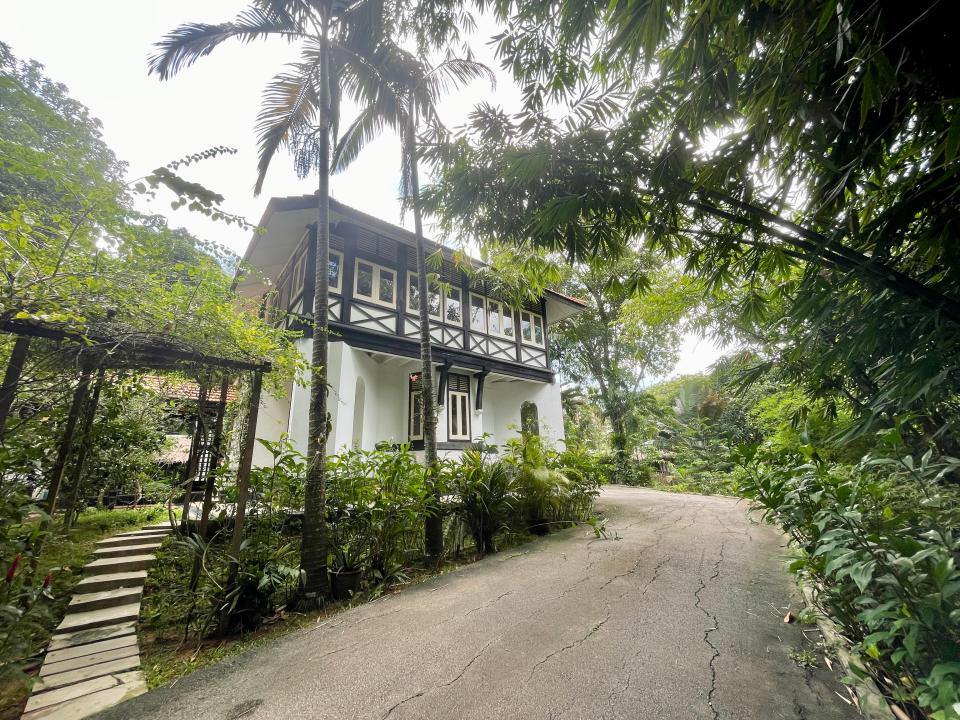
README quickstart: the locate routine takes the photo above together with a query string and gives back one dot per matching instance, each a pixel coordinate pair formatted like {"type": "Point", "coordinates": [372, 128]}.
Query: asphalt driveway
{"type": "Point", "coordinates": [679, 616]}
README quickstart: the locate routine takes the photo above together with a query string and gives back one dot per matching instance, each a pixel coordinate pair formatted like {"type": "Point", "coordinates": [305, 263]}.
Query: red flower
{"type": "Point", "coordinates": [12, 569]}
{"type": "Point", "coordinates": [47, 579]}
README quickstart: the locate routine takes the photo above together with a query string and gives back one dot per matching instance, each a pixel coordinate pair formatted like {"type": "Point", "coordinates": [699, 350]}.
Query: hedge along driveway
{"type": "Point", "coordinates": [681, 617]}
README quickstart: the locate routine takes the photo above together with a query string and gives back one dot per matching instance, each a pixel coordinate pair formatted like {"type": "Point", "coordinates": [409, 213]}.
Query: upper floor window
{"type": "Point", "coordinates": [450, 300]}
{"type": "Point", "coordinates": [491, 316]}
{"type": "Point", "coordinates": [478, 313]}
{"type": "Point", "coordinates": [375, 283]}
{"type": "Point", "coordinates": [335, 271]}
{"type": "Point", "coordinates": [531, 328]}
{"type": "Point", "coordinates": [453, 306]}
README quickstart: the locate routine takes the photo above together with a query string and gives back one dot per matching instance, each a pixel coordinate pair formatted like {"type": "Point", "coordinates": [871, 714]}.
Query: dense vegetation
{"type": "Point", "coordinates": [781, 174]}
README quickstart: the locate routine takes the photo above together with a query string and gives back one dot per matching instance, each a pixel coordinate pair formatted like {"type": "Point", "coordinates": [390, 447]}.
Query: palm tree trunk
{"type": "Point", "coordinates": [433, 524]}
{"type": "Point", "coordinates": [313, 552]}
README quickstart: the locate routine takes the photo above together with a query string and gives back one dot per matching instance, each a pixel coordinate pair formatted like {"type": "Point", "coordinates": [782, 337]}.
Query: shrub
{"type": "Point", "coordinates": [378, 498]}
{"type": "Point", "coordinates": [486, 496]}
{"type": "Point", "coordinates": [880, 541]}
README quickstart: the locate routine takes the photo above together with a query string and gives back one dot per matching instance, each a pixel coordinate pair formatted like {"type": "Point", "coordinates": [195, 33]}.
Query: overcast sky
{"type": "Point", "coordinates": [99, 50]}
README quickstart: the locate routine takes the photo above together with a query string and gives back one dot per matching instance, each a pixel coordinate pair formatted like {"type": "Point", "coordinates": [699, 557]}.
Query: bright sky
{"type": "Point", "coordinates": [99, 50]}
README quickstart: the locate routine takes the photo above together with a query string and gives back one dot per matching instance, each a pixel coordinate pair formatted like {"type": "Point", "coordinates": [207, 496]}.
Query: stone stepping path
{"type": "Point", "coordinates": [93, 660]}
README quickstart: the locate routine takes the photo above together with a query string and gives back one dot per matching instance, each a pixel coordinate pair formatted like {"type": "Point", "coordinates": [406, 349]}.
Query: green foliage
{"type": "Point", "coordinates": [630, 331]}
{"type": "Point", "coordinates": [25, 612]}
{"type": "Point", "coordinates": [486, 496]}
{"type": "Point", "coordinates": [880, 541]}
{"type": "Point", "coordinates": [376, 502]}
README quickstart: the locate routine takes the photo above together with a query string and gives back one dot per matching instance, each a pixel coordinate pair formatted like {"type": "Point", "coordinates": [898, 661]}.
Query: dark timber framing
{"type": "Point", "coordinates": [385, 327]}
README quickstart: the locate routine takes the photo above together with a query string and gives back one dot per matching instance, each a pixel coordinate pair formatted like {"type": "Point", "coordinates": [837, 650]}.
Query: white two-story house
{"type": "Point", "coordinates": [492, 362]}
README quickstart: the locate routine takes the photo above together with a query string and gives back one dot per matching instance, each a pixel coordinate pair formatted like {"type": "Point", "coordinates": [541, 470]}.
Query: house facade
{"type": "Point", "coordinates": [492, 364]}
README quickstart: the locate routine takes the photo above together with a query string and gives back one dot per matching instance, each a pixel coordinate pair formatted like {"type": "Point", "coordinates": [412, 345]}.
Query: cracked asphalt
{"type": "Point", "coordinates": [678, 616]}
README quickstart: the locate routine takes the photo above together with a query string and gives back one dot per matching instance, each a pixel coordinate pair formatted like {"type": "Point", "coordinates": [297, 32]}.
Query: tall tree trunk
{"type": "Point", "coordinates": [243, 484]}
{"type": "Point", "coordinates": [313, 552]}
{"type": "Point", "coordinates": [86, 429]}
{"type": "Point", "coordinates": [11, 378]}
{"type": "Point", "coordinates": [66, 442]}
{"type": "Point", "coordinates": [433, 524]}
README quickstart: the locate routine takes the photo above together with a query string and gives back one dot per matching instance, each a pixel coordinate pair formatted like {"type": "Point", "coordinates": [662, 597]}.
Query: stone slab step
{"type": "Point", "coordinates": [90, 704]}
{"type": "Point", "coordinates": [106, 656]}
{"type": "Point", "coordinates": [78, 651]}
{"type": "Point", "coordinates": [165, 525]}
{"type": "Point", "coordinates": [89, 672]}
{"type": "Point", "coordinates": [155, 532]}
{"type": "Point", "coordinates": [129, 681]}
{"type": "Point", "coordinates": [104, 599]}
{"type": "Point", "coordinates": [111, 581]}
{"type": "Point", "coordinates": [98, 618]}
{"type": "Point", "coordinates": [127, 563]}
{"type": "Point", "coordinates": [94, 635]}
{"type": "Point", "coordinates": [125, 550]}
{"type": "Point", "coordinates": [119, 540]}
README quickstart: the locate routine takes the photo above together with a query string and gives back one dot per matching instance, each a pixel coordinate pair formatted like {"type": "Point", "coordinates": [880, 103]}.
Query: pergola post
{"type": "Point", "coordinates": [86, 427]}
{"type": "Point", "coordinates": [8, 391]}
{"type": "Point", "coordinates": [66, 442]}
{"type": "Point", "coordinates": [193, 460]}
{"type": "Point", "coordinates": [218, 454]}
{"type": "Point", "coordinates": [246, 460]}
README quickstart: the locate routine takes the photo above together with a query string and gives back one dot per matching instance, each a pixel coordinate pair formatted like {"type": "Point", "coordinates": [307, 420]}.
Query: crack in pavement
{"type": "Point", "coordinates": [472, 661]}
{"type": "Point", "coordinates": [707, 631]}
{"type": "Point", "coordinates": [575, 643]}
{"type": "Point", "coordinates": [487, 604]}
{"type": "Point", "coordinates": [405, 700]}
{"type": "Point", "coordinates": [421, 693]}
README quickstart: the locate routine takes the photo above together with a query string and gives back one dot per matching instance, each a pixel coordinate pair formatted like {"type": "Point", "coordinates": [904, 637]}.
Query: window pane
{"type": "Point", "coordinates": [494, 311]}
{"type": "Point", "coordinates": [413, 294]}
{"type": "Point", "coordinates": [454, 426]}
{"type": "Point", "coordinates": [525, 328]}
{"type": "Point", "coordinates": [433, 303]}
{"type": "Point", "coordinates": [538, 329]}
{"type": "Point", "coordinates": [386, 286]}
{"type": "Point", "coordinates": [464, 429]}
{"type": "Point", "coordinates": [333, 270]}
{"type": "Point", "coordinates": [416, 412]}
{"type": "Point", "coordinates": [364, 279]}
{"type": "Point", "coordinates": [454, 313]}
{"type": "Point", "coordinates": [478, 320]}
{"type": "Point", "coordinates": [507, 323]}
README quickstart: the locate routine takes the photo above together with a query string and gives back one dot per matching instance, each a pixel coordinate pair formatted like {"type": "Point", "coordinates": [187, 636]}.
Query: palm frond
{"type": "Point", "coordinates": [368, 125]}
{"type": "Point", "coordinates": [188, 43]}
{"type": "Point", "coordinates": [287, 116]}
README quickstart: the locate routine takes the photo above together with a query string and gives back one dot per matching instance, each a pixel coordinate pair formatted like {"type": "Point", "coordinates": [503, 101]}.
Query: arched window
{"type": "Point", "coordinates": [529, 418]}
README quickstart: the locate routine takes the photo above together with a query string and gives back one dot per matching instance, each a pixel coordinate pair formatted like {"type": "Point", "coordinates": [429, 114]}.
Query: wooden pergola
{"type": "Point", "coordinates": [102, 348]}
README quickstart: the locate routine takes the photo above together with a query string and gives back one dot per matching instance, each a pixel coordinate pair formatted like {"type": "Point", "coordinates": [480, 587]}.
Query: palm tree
{"type": "Point", "coordinates": [300, 112]}
{"type": "Point", "coordinates": [408, 91]}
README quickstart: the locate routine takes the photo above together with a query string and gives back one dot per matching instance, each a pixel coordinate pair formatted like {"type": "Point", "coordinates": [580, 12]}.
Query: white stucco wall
{"type": "Point", "coordinates": [385, 410]}
{"type": "Point", "coordinates": [271, 422]}
{"type": "Point", "coordinates": [504, 399]}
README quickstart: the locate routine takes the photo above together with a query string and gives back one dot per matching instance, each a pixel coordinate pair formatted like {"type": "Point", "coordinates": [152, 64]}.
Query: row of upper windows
{"type": "Point", "coordinates": [378, 284]}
